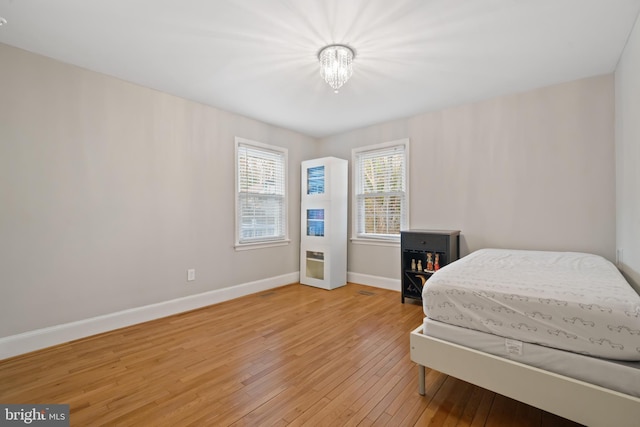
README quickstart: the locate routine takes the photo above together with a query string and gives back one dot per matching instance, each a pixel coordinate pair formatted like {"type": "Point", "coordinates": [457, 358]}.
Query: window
{"type": "Point", "coordinates": [261, 194]}
{"type": "Point", "coordinates": [380, 190]}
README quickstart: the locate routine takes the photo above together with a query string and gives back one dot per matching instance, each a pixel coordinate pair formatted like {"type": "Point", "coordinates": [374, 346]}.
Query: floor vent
{"type": "Point", "coordinates": [268, 294]}
{"type": "Point", "coordinates": [367, 293]}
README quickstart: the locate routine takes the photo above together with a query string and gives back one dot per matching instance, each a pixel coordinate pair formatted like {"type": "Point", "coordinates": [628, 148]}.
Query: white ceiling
{"type": "Point", "coordinates": [258, 58]}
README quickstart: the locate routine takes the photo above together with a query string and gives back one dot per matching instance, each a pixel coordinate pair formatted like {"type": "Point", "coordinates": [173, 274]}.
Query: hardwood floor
{"type": "Point", "coordinates": [295, 355]}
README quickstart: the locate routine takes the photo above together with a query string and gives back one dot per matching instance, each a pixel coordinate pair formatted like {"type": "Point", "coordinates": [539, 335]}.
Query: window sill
{"type": "Point", "coordinates": [376, 242]}
{"type": "Point", "coordinates": [260, 245]}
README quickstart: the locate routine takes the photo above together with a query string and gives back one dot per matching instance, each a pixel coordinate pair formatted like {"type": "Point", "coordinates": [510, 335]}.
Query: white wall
{"type": "Point", "coordinates": [528, 171]}
{"type": "Point", "coordinates": [109, 192]}
{"type": "Point", "coordinates": [628, 158]}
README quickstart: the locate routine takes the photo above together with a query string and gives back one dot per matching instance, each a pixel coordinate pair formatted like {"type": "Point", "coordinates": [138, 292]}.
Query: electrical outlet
{"type": "Point", "coordinates": [191, 274]}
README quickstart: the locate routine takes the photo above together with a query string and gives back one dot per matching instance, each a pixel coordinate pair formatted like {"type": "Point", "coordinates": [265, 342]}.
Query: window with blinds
{"type": "Point", "coordinates": [261, 192]}
{"type": "Point", "coordinates": [380, 180]}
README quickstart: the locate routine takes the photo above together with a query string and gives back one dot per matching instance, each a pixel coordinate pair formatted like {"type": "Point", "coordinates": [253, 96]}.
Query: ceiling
{"type": "Point", "coordinates": [258, 58]}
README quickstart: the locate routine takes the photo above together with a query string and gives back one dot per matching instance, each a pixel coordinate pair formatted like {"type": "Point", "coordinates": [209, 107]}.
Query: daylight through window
{"type": "Point", "coordinates": [261, 192]}
{"type": "Point", "coordinates": [380, 189]}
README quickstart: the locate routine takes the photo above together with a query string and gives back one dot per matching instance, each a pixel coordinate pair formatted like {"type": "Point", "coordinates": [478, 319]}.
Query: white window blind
{"type": "Point", "coordinates": [380, 190]}
{"type": "Point", "coordinates": [261, 192]}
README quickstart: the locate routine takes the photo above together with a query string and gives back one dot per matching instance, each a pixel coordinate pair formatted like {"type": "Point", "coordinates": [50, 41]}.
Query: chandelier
{"type": "Point", "coordinates": [336, 64]}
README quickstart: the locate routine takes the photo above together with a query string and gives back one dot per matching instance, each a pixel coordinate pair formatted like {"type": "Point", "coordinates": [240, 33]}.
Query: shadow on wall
{"type": "Point", "coordinates": [629, 274]}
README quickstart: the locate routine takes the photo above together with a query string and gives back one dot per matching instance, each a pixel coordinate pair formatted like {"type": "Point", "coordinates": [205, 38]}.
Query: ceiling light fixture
{"type": "Point", "coordinates": [336, 64]}
{"type": "Point", "coordinates": [2, 21]}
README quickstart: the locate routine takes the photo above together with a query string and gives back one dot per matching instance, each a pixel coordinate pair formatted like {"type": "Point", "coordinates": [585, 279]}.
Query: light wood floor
{"type": "Point", "coordinates": [295, 355]}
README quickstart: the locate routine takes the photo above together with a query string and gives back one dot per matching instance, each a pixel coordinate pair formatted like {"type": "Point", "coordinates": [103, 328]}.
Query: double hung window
{"type": "Point", "coordinates": [380, 191]}
{"type": "Point", "coordinates": [261, 193]}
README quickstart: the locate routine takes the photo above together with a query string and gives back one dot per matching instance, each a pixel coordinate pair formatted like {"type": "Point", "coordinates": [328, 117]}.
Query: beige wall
{"type": "Point", "coordinates": [526, 171]}
{"type": "Point", "coordinates": [628, 158]}
{"type": "Point", "coordinates": [109, 192]}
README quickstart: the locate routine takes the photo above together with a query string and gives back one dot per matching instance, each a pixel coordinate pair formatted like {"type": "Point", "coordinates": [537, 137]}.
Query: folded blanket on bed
{"type": "Point", "coordinates": [572, 301]}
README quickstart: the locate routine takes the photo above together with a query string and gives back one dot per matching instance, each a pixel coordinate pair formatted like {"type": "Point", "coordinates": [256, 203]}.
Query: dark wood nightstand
{"type": "Point", "coordinates": [422, 252]}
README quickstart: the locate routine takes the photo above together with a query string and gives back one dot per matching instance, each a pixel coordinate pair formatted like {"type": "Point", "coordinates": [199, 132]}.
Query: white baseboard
{"type": "Point", "coordinates": [46, 337]}
{"type": "Point", "coordinates": [375, 281]}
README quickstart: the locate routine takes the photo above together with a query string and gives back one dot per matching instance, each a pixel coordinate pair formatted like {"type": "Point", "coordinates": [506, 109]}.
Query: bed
{"type": "Point", "coordinates": [556, 330]}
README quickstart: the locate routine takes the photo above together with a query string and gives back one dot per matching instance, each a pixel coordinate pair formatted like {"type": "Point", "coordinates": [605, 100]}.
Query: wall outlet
{"type": "Point", "coordinates": [191, 274]}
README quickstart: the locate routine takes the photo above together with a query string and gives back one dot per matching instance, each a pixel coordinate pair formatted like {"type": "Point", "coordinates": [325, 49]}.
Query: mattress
{"type": "Point", "coordinates": [615, 375]}
{"type": "Point", "coordinates": [571, 301]}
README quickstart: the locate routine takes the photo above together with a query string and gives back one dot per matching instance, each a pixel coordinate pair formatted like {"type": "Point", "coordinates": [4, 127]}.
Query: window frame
{"type": "Point", "coordinates": [378, 239]}
{"type": "Point", "coordinates": [270, 241]}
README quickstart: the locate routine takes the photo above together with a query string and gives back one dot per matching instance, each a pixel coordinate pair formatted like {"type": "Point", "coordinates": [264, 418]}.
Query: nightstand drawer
{"type": "Point", "coordinates": [424, 242]}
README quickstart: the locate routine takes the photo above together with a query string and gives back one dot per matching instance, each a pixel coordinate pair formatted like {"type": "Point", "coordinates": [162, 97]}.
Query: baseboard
{"type": "Point", "coordinates": [46, 337]}
{"type": "Point", "coordinates": [375, 281]}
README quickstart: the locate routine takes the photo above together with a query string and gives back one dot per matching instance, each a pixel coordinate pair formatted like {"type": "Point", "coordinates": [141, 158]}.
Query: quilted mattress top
{"type": "Point", "coordinates": [572, 301]}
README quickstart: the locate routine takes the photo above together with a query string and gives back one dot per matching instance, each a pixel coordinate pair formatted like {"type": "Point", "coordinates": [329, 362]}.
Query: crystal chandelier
{"type": "Point", "coordinates": [336, 64]}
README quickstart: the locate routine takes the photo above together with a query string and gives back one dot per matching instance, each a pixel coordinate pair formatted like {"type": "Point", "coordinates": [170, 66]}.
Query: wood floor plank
{"type": "Point", "coordinates": [295, 355]}
{"type": "Point", "coordinates": [475, 404]}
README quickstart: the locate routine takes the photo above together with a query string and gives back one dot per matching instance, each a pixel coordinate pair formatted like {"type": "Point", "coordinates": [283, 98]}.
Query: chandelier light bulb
{"type": "Point", "coordinates": [336, 64]}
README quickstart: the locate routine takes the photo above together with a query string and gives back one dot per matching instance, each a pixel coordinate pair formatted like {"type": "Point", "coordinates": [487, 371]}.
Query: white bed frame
{"type": "Point", "coordinates": [576, 400]}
